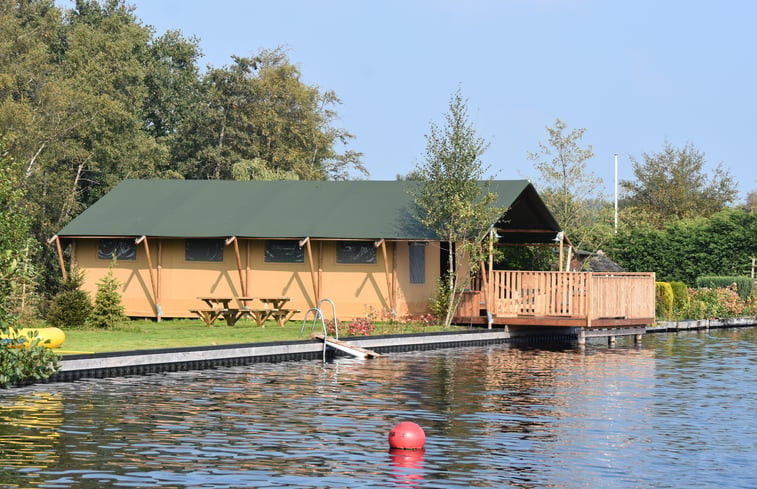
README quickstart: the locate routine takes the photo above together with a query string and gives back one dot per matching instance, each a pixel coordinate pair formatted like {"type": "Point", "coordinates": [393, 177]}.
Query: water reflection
{"type": "Point", "coordinates": [494, 417]}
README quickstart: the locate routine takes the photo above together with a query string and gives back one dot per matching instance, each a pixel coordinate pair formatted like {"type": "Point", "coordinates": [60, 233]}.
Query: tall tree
{"type": "Point", "coordinates": [673, 184]}
{"type": "Point", "coordinates": [570, 191]}
{"type": "Point", "coordinates": [451, 195]}
{"type": "Point", "coordinates": [259, 108]}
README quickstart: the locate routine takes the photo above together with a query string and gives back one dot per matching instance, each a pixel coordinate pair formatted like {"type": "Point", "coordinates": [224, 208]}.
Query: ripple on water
{"type": "Point", "coordinates": [670, 413]}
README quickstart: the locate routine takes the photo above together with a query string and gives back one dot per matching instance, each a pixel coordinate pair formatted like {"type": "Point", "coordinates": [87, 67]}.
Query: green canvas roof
{"type": "Point", "coordinates": [278, 209]}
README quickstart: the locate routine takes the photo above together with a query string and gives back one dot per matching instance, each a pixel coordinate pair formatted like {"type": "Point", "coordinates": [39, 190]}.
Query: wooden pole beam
{"type": "Point", "coordinates": [313, 278]}
{"type": "Point", "coordinates": [237, 255]}
{"type": "Point", "coordinates": [387, 272]}
{"type": "Point", "coordinates": [61, 262]}
{"type": "Point", "coordinates": [153, 280]}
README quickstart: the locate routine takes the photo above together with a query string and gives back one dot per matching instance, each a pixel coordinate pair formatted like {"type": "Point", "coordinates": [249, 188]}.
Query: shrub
{"type": "Point", "coordinates": [108, 310]}
{"type": "Point", "coordinates": [663, 300]}
{"type": "Point", "coordinates": [744, 285]}
{"type": "Point", "coordinates": [716, 303]}
{"type": "Point", "coordinates": [22, 361]}
{"type": "Point", "coordinates": [360, 327]}
{"type": "Point", "coordinates": [680, 297]}
{"type": "Point", "coordinates": [71, 306]}
{"type": "Point", "coordinates": [439, 304]}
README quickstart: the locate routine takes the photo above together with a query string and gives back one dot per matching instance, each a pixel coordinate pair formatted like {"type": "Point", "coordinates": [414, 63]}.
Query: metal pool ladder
{"type": "Point", "coordinates": [334, 342]}
{"type": "Point", "coordinates": [318, 314]}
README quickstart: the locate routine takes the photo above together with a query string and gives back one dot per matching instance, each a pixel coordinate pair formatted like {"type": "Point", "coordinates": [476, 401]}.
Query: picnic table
{"type": "Point", "coordinates": [273, 307]}
{"type": "Point", "coordinates": [221, 307]}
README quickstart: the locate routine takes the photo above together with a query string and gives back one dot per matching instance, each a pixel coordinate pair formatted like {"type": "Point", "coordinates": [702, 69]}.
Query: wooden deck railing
{"type": "Point", "coordinates": [584, 295]}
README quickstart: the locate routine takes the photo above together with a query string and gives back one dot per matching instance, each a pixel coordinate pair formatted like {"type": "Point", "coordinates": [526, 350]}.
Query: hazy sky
{"type": "Point", "coordinates": [634, 74]}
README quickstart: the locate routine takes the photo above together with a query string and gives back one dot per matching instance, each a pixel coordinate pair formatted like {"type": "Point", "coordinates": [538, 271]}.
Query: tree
{"type": "Point", "coordinates": [14, 229]}
{"type": "Point", "coordinates": [751, 201]}
{"type": "Point", "coordinates": [571, 192]}
{"type": "Point", "coordinates": [451, 198]}
{"type": "Point", "coordinates": [672, 184]}
{"type": "Point", "coordinates": [259, 108]}
{"type": "Point", "coordinates": [108, 309]}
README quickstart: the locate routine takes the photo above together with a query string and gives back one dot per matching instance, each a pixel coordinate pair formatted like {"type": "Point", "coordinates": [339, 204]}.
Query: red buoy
{"type": "Point", "coordinates": [407, 436]}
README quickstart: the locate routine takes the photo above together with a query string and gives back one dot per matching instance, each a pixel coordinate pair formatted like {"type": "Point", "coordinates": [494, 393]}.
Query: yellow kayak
{"type": "Point", "coordinates": [49, 337]}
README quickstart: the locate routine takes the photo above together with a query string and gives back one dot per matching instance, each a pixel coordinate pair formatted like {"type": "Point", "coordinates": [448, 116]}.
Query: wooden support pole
{"type": "Point", "coordinates": [237, 255]}
{"type": "Point", "coordinates": [487, 295]}
{"type": "Point", "coordinates": [316, 293]}
{"type": "Point", "coordinates": [59, 249]}
{"type": "Point", "coordinates": [153, 280]}
{"type": "Point", "coordinates": [394, 273]}
{"type": "Point", "coordinates": [320, 267]}
{"type": "Point", "coordinates": [382, 244]}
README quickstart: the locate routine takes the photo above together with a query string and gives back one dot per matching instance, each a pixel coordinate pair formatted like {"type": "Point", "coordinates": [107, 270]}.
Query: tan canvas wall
{"type": "Point", "coordinates": [357, 289]}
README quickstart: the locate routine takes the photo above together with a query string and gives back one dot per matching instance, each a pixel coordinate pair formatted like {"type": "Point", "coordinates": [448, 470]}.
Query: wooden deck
{"type": "Point", "coordinates": [562, 299]}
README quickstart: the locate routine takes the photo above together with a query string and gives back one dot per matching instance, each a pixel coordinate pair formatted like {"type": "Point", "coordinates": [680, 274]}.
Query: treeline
{"type": "Point", "coordinates": [90, 96]}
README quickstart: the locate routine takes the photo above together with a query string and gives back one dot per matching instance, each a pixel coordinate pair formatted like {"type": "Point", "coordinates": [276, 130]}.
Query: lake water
{"type": "Point", "coordinates": [676, 411]}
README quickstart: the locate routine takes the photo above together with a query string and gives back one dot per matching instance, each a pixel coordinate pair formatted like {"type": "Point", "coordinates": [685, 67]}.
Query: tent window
{"type": "Point", "coordinates": [355, 252]}
{"type": "Point", "coordinates": [203, 250]}
{"type": "Point", "coordinates": [123, 249]}
{"type": "Point", "coordinates": [417, 263]}
{"type": "Point", "coordinates": [284, 251]}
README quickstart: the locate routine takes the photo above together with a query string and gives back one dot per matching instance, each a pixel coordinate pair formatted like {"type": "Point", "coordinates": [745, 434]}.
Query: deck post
{"type": "Point", "coordinates": [382, 244]}
{"type": "Point", "coordinates": [610, 340]}
{"type": "Point", "coordinates": [581, 336]}
{"type": "Point", "coordinates": [242, 285]}
{"type": "Point", "coordinates": [487, 296]}
{"type": "Point", "coordinates": [316, 293]}
{"type": "Point", "coordinates": [59, 249]}
{"type": "Point", "coordinates": [153, 280]}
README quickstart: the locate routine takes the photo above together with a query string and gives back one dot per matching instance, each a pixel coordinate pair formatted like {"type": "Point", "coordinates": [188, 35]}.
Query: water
{"type": "Point", "coordinates": [677, 411]}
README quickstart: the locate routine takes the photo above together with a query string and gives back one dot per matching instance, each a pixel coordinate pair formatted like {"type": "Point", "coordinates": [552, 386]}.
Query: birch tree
{"type": "Point", "coordinates": [452, 198]}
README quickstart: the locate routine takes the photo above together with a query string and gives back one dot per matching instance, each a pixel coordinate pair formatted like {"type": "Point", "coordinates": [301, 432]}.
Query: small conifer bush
{"type": "Point", "coordinates": [108, 310]}
{"type": "Point", "coordinates": [71, 307]}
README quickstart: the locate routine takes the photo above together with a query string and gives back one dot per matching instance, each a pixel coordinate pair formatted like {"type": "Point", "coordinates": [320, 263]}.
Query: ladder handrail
{"type": "Point", "coordinates": [318, 314]}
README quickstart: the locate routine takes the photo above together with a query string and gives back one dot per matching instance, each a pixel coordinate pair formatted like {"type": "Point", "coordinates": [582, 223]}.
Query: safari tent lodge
{"type": "Point", "coordinates": [357, 243]}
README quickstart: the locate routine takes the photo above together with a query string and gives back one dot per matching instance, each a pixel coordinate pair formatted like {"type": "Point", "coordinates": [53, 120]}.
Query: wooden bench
{"type": "Point", "coordinates": [258, 315]}
{"type": "Point", "coordinates": [209, 316]}
{"type": "Point", "coordinates": [282, 316]}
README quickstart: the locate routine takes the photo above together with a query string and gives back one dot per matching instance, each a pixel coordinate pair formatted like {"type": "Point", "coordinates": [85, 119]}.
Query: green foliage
{"type": "Point", "coordinates": [90, 96]}
{"type": "Point", "coordinates": [259, 109]}
{"type": "Point", "coordinates": [671, 184]}
{"type": "Point", "coordinates": [451, 198]}
{"type": "Point", "coordinates": [23, 361]}
{"type": "Point", "coordinates": [680, 297]}
{"type": "Point", "coordinates": [525, 258]}
{"type": "Point", "coordinates": [744, 285]}
{"type": "Point", "coordinates": [722, 244]}
{"type": "Point", "coordinates": [725, 302]}
{"type": "Point", "coordinates": [570, 192]}
{"type": "Point", "coordinates": [663, 300]}
{"type": "Point", "coordinates": [108, 310]}
{"type": "Point", "coordinates": [71, 307]}
{"type": "Point", "coordinates": [439, 304]}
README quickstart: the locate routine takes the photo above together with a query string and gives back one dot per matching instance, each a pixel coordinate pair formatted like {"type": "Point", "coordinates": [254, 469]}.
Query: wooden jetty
{"type": "Point", "coordinates": [604, 304]}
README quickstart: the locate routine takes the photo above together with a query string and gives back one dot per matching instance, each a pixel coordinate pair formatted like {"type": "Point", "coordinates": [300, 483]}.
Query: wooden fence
{"type": "Point", "coordinates": [570, 295]}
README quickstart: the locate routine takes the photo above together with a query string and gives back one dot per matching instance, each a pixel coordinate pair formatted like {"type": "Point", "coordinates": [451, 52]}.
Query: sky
{"type": "Point", "coordinates": [634, 74]}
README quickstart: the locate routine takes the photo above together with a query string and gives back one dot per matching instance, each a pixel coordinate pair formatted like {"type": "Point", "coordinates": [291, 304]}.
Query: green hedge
{"type": "Point", "coordinates": [663, 300]}
{"type": "Point", "coordinates": [744, 285]}
{"type": "Point", "coordinates": [680, 296]}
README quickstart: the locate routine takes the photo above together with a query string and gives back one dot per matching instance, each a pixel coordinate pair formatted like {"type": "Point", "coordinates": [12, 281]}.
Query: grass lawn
{"type": "Point", "coordinates": [172, 333]}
